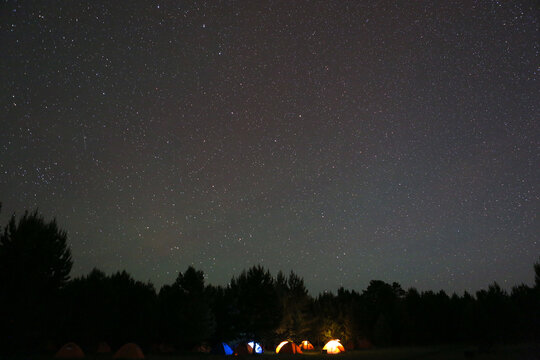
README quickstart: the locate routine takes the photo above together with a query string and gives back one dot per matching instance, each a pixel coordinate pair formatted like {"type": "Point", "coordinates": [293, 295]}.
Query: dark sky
{"type": "Point", "coordinates": [345, 140]}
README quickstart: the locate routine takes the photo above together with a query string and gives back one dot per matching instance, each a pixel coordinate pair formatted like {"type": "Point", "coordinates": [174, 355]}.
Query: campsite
{"type": "Point", "coordinates": [508, 352]}
{"type": "Point", "coordinates": [289, 350]}
{"type": "Point", "coordinates": [270, 179]}
{"type": "Point", "coordinates": [99, 316]}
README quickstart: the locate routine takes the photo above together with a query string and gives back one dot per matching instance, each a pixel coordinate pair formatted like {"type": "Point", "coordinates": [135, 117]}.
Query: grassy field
{"type": "Point", "coordinates": [506, 352]}
{"type": "Point", "coordinates": [517, 352]}
{"type": "Point", "coordinates": [503, 352]}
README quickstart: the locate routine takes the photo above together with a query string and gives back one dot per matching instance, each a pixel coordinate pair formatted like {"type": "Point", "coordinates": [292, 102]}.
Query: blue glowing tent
{"type": "Point", "coordinates": [257, 348]}
{"type": "Point", "coordinates": [248, 348]}
{"type": "Point", "coordinates": [222, 349]}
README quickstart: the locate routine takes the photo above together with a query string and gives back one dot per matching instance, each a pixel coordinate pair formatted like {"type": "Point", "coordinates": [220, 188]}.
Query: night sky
{"type": "Point", "coordinates": [347, 141]}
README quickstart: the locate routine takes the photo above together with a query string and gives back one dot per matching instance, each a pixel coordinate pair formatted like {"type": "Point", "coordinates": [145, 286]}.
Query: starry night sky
{"type": "Point", "coordinates": [347, 141]}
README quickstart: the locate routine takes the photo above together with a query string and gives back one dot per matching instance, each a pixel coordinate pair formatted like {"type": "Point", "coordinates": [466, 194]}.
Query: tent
{"type": "Point", "coordinates": [256, 347]}
{"type": "Point", "coordinates": [333, 347]}
{"type": "Point", "coordinates": [364, 344]}
{"type": "Point", "coordinates": [165, 348]}
{"type": "Point", "coordinates": [243, 349]}
{"type": "Point", "coordinates": [203, 348]}
{"type": "Point", "coordinates": [222, 349]}
{"type": "Point", "coordinates": [103, 348]}
{"type": "Point", "coordinates": [129, 351]}
{"type": "Point", "coordinates": [306, 345]}
{"type": "Point", "coordinates": [288, 347]}
{"type": "Point", "coordinates": [70, 351]}
{"type": "Point", "coordinates": [248, 348]}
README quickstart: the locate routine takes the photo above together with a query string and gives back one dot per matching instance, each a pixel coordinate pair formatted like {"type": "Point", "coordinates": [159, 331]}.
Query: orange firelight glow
{"type": "Point", "coordinates": [306, 345]}
{"type": "Point", "coordinates": [333, 347]}
{"type": "Point", "coordinates": [280, 345]}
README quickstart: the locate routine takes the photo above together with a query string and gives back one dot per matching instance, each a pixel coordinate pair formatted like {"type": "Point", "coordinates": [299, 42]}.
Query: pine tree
{"type": "Point", "coordinates": [35, 262]}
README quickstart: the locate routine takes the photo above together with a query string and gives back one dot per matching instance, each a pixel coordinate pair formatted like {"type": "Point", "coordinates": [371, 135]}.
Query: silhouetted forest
{"type": "Point", "coordinates": [41, 307]}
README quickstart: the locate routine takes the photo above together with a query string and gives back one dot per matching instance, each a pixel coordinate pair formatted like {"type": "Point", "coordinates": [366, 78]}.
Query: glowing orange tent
{"type": "Point", "coordinates": [333, 347]}
{"type": "Point", "coordinates": [129, 351]}
{"type": "Point", "coordinates": [288, 347]}
{"type": "Point", "coordinates": [70, 351]}
{"type": "Point", "coordinates": [306, 345]}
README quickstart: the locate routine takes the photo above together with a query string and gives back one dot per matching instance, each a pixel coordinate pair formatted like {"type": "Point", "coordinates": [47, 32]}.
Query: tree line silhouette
{"type": "Point", "coordinates": [40, 306]}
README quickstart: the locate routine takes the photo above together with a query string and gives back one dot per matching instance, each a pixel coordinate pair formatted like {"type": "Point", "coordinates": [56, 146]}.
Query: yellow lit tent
{"type": "Point", "coordinates": [333, 347]}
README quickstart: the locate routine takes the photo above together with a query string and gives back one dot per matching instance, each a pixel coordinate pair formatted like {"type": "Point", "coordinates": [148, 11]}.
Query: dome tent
{"type": "Point", "coordinates": [248, 348]}
{"type": "Point", "coordinates": [129, 351]}
{"type": "Point", "coordinates": [364, 343]}
{"type": "Point", "coordinates": [222, 349]}
{"type": "Point", "coordinates": [257, 348]}
{"type": "Point", "coordinates": [202, 348]}
{"type": "Point", "coordinates": [333, 347]}
{"type": "Point", "coordinates": [306, 345]}
{"type": "Point", "coordinates": [69, 351]}
{"type": "Point", "coordinates": [243, 349]}
{"type": "Point", "coordinates": [288, 347]}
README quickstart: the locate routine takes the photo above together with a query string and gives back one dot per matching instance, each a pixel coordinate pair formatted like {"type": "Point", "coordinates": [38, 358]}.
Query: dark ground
{"type": "Point", "coordinates": [506, 352]}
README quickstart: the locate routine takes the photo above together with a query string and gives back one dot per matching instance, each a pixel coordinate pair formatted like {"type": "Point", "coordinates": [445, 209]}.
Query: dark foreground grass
{"type": "Point", "coordinates": [509, 352]}
{"type": "Point", "coordinates": [516, 352]}
{"type": "Point", "coordinates": [501, 352]}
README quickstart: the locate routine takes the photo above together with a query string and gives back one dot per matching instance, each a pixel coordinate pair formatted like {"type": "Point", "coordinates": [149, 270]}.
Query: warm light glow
{"type": "Point", "coordinates": [288, 347]}
{"type": "Point", "coordinates": [306, 345]}
{"type": "Point", "coordinates": [333, 347]}
{"type": "Point", "coordinates": [280, 345]}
